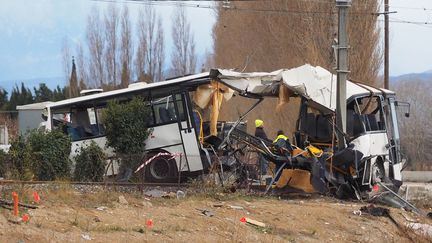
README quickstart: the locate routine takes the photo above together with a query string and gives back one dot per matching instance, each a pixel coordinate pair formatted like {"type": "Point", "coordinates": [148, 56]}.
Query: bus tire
{"type": "Point", "coordinates": [162, 169]}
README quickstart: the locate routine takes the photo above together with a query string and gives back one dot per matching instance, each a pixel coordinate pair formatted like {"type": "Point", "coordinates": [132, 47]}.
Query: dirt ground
{"type": "Point", "coordinates": [68, 215]}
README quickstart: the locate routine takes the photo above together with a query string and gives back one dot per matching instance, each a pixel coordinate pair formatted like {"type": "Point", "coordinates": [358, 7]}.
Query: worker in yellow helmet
{"type": "Point", "coordinates": [260, 133]}
{"type": "Point", "coordinates": [283, 147]}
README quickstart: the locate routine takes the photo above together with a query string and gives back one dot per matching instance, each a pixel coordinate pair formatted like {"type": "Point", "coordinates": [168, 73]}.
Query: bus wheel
{"type": "Point", "coordinates": [161, 170]}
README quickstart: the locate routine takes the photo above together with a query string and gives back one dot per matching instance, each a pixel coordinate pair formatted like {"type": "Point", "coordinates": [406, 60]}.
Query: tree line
{"type": "Point", "coordinates": [117, 52]}
{"type": "Point", "coordinates": [22, 95]}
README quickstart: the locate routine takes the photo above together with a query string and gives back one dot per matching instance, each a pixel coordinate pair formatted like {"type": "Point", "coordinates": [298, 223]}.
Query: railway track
{"type": "Point", "coordinates": [125, 184]}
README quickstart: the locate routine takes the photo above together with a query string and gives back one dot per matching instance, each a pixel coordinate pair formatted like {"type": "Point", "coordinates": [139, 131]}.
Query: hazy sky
{"type": "Point", "coordinates": [410, 44]}
{"type": "Point", "coordinates": [31, 34]}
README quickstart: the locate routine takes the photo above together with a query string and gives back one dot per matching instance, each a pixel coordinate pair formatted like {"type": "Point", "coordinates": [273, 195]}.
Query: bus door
{"type": "Point", "coordinates": [187, 133]}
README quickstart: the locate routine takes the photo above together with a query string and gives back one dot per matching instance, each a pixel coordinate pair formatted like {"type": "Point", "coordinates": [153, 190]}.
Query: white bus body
{"type": "Point", "coordinates": [173, 127]}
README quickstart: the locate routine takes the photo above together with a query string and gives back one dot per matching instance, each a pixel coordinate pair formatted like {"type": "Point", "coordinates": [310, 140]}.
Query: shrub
{"type": "Point", "coordinates": [4, 161]}
{"type": "Point", "coordinates": [50, 154]}
{"type": "Point", "coordinates": [90, 163]}
{"type": "Point", "coordinates": [21, 160]}
{"type": "Point", "coordinates": [126, 129]}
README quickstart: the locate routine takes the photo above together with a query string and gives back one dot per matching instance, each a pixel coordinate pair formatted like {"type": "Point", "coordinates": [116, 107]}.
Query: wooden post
{"type": "Point", "coordinates": [16, 202]}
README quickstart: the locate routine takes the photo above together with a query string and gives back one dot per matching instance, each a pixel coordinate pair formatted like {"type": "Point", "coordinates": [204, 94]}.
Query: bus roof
{"type": "Point", "coordinates": [314, 83]}
{"type": "Point", "coordinates": [131, 89]}
{"type": "Point", "coordinates": [34, 106]}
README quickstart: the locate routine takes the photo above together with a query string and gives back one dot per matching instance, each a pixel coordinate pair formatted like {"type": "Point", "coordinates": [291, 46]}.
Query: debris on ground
{"type": "Point", "coordinates": [255, 222]}
{"type": "Point", "coordinates": [236, 207]}
{"type": "Point", "coordinates": [218, 205]}
{"type": "Point", "coordinates": [422, 229]}
{"type": "Point", "coordinates": [86, 237]}
{"type": "Point", "coordinates": [375, 211]}
{"type": "Point", "coordinates": [206, 212]}
{"type": "Point", "coordinates": [154, 193]}
{"type": "Point", "coordinates": [101, 208]}
{"type": "Point", "coordinates": [180, 194]}
{"type": "Point", "coordinates": [169, 195]}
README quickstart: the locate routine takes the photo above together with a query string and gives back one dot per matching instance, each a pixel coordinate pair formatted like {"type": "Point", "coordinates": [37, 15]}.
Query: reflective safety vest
{"type": "Point", "coordinates": [280, 137]}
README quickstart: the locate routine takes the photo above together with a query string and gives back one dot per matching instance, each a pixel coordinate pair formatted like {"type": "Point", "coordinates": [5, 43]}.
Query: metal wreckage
{"type": "Point", "coordinates": [371, 160]}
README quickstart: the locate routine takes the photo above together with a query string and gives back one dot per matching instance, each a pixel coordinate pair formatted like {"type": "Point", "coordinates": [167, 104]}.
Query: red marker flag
{"type": "Point", "coordinates": [149, 223]}
{"type": "Point", "coordinates": [25, 218]}
{"type": "Point", "coordinates": [36, 197]}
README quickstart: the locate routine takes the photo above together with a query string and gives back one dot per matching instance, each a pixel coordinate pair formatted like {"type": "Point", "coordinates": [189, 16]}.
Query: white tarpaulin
{"type": "Point", "coordinates": [314, 83]}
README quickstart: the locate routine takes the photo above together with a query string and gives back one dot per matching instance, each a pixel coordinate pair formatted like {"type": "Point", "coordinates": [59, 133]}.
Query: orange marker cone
{"type": "Point", "coordinates": [15, 201]}
{"type": "Point", "coordinates": [25, 218]}
{"type": "Point", "coordinates": [36, 197]}
{"type": "Point", "coordinates": [149, 223]}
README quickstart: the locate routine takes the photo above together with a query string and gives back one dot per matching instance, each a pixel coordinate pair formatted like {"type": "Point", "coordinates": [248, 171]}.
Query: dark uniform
{"type": "Point", "coordinates": [260, 133]}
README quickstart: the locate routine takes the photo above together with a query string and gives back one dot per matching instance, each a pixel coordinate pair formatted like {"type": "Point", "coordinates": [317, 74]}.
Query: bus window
{"type": "Point", "coordinates": [80, 123]}
{"type": "Point", "coordinates": [371, 113]}
{"type": "Point", "coordinates": [164, 110]}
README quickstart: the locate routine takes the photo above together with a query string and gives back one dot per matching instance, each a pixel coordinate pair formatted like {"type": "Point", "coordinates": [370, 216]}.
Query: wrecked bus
{"type": "Point", "coordinates": [372, 155]}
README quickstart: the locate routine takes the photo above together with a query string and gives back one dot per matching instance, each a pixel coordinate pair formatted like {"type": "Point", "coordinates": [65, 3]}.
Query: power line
{"type": "Point", "coordinates": [255, 10]}
{"type": "Point", "coordinates": [411, 8]}
{"type": "Point", "coordinates": [229, 7]}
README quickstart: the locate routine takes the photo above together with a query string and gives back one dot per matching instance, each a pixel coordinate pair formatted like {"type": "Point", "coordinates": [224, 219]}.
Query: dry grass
{"type": "Point", "coordinates": [66, 214]}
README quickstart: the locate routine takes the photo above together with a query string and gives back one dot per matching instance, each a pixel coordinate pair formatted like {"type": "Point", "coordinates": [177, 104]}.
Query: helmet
{"type": "Point", "coordinates": [259, 123]}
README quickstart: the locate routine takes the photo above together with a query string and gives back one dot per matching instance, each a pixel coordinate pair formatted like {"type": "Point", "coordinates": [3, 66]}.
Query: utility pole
{"type": "Point", "coordinates": [386, 44]}
{"type": "Point", "coordinates": [342, 69]}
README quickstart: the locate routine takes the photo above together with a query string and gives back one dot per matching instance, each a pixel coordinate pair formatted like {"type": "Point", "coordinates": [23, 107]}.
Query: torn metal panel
{"type": "Point", "coordinates": [316, 84]}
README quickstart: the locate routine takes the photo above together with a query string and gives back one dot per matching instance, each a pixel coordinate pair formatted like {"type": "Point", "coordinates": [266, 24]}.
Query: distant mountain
{"type": "Point", "coordinates": [424, 76]}
{"type": "Point", "coordinates": [51, 82]}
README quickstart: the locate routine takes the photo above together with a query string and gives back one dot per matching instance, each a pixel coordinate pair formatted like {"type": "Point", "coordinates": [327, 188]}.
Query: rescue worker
{"type": "Point", "coordinates": [283, 147]}
{"type": "Point", "coordinates": [260, 133]}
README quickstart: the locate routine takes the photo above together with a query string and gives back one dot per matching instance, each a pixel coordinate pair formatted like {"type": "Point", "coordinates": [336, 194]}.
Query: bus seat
{"type": "Point", "coordinates": [73, 132]}
{"type": "Point", "coordinates": [311, 125]}
{"type": "Point", "coordinates": [323, 128]}
{"type": "Point", "coordinates": [354, 124]}
{"type": "Point", "coordinates": [164, 115]}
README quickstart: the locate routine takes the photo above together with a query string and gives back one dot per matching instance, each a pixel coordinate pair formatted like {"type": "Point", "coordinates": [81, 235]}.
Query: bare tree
{"type": "Point", "coordinates": [159, 52]}
{"type": "Point", "coordinates": [183, 56]}
{"type": "Point", "coordinates": [150, 54]}
{"type": "Point", "coordinates": [81, 66]}
{"type": "Point", "coordinates": [415, 131]}
{"type": "Point", "coordinates": [126, 49]}
{"type": "Point", "coordinates": [140, 60]}
{"type": "Point", "coordinates": [111, 29]}
{"type": "Point", "coordinates": [66, 59]}
{"type": "Point", "coordinates": [95, 42]}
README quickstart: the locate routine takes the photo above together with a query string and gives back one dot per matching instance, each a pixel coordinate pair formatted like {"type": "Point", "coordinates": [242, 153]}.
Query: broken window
{"type": "Point", "coordinates": [80, 123]}
{"type": "Point", "coordinates": [365, 114]}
